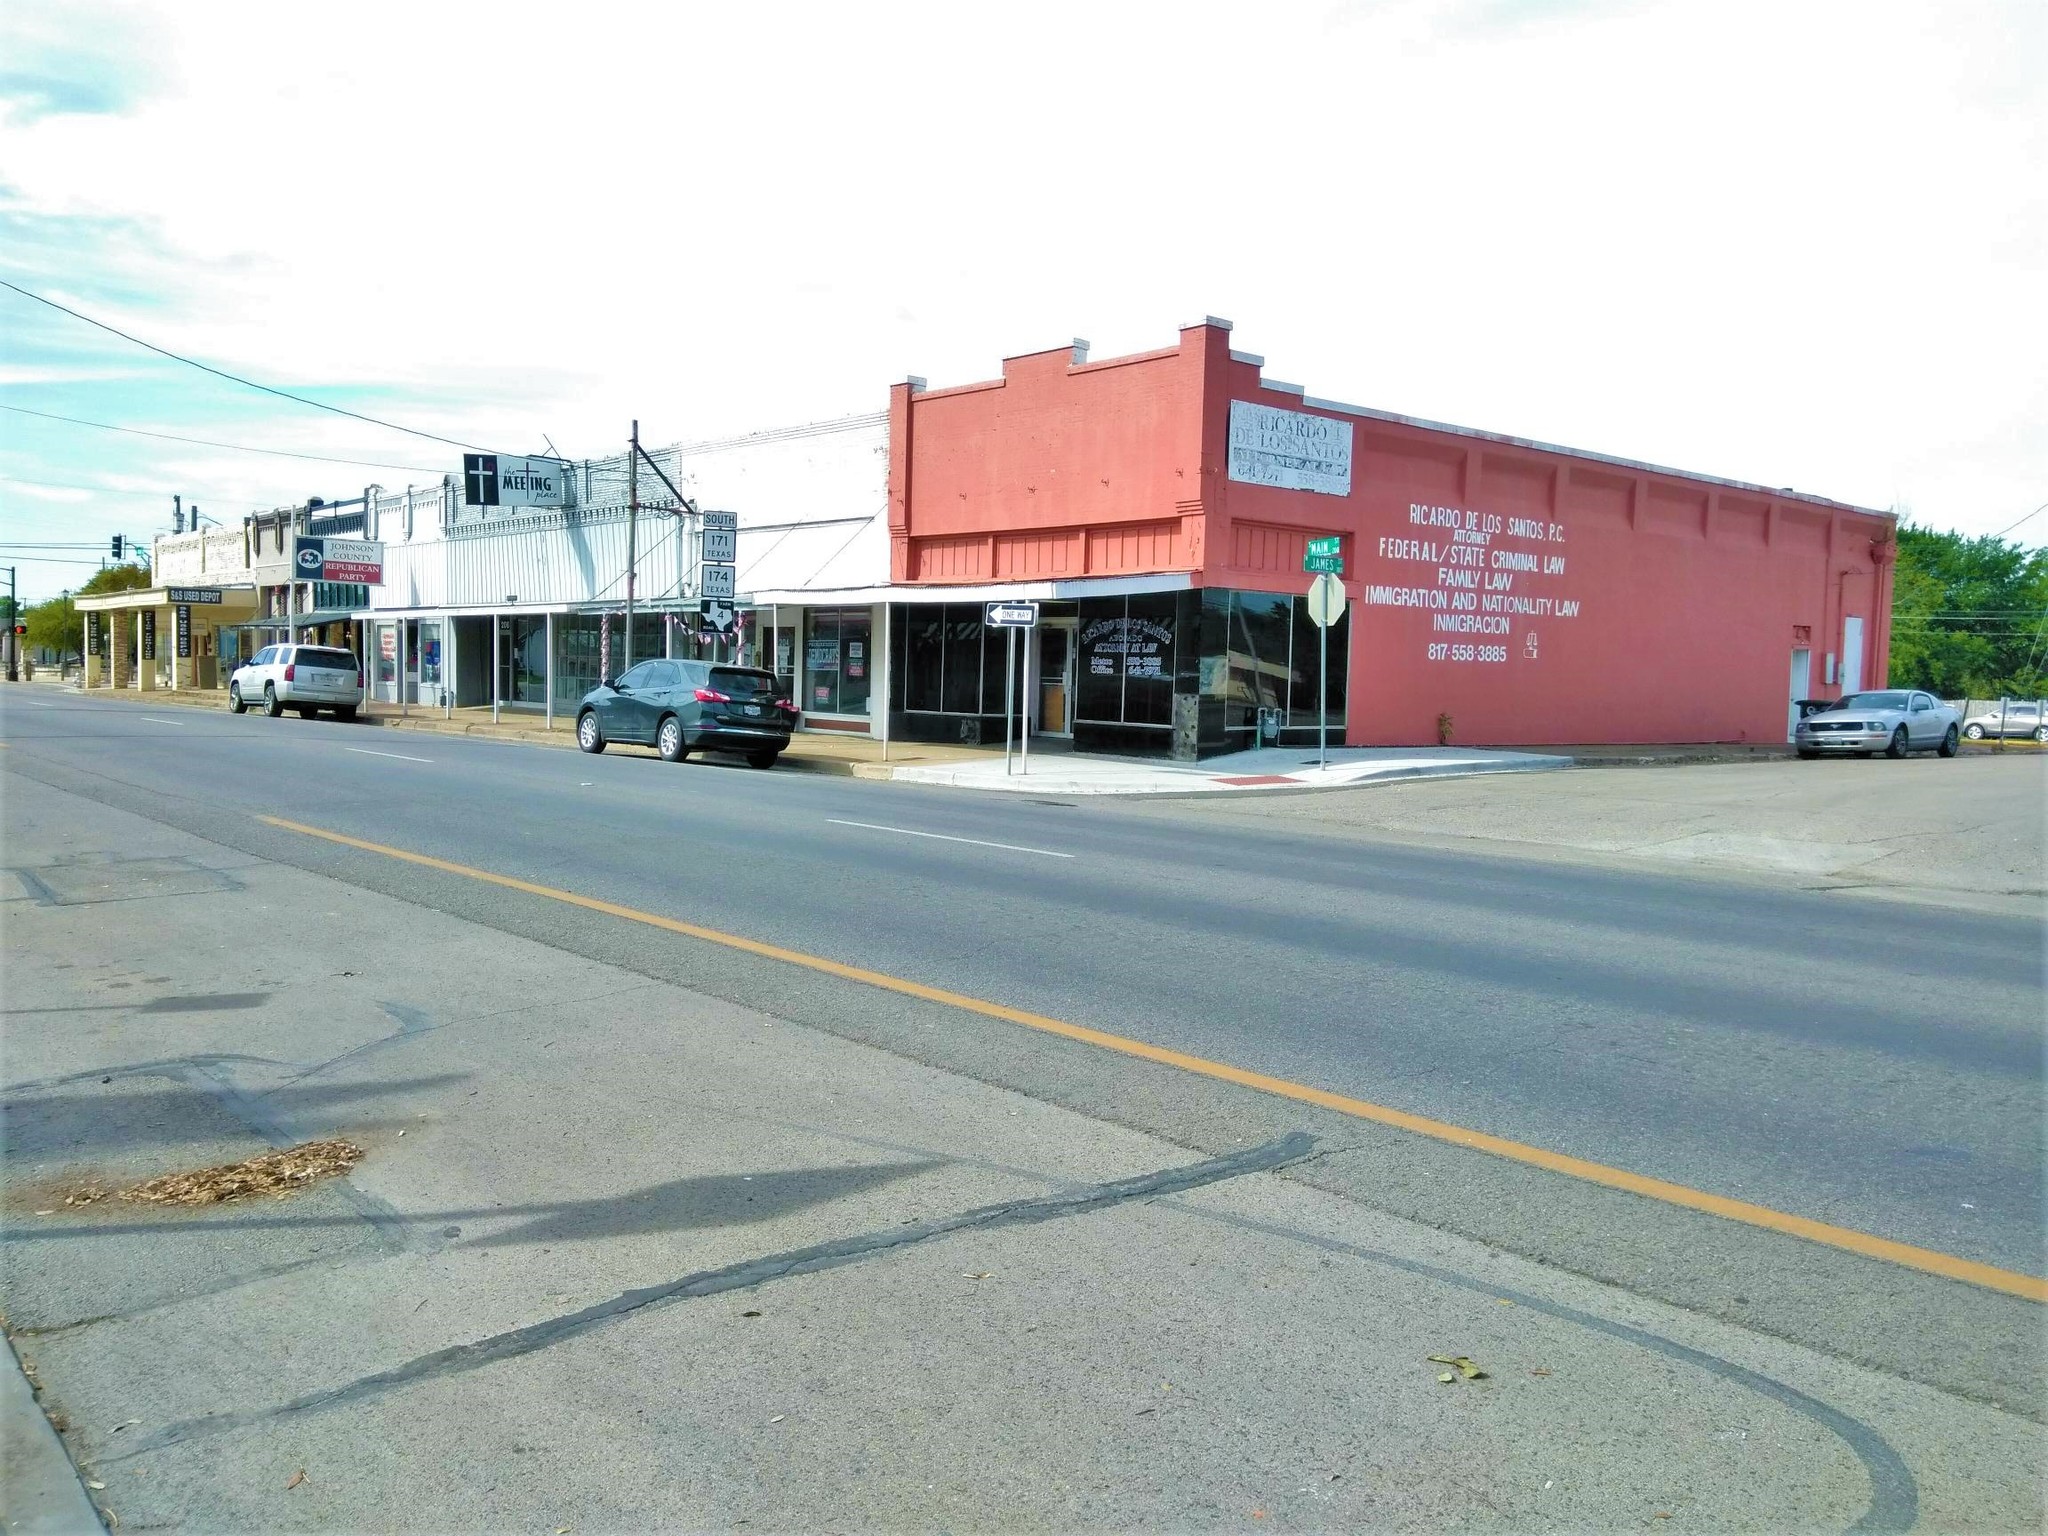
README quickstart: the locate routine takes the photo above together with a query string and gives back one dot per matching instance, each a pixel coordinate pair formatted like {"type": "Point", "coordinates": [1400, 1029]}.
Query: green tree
{"type": "Point", "coordinates": [57, 624]}
{"type": "Point", "coordinates": [1969, 616]}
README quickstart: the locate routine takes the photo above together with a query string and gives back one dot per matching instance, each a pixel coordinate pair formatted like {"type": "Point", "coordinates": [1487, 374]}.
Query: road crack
{"type": "Point", "coordinates": [458, 1359]}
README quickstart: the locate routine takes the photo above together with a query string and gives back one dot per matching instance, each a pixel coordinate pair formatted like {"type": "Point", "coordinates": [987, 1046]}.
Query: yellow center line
{"type": "Point", "coordinates": [1927, 1260]}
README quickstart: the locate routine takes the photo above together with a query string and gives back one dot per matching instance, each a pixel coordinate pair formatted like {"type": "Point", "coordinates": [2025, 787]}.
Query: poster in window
{"type": "Point", "coordinates": [387, 653]}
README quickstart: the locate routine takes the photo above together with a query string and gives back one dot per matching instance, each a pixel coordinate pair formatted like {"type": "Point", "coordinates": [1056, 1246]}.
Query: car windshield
{"type": "Point", "coordinates": [743, 682]}
{"type": "Point", "coordinates": [340, 661]}
{"type": "Point", "coordinates": [1893, 700]}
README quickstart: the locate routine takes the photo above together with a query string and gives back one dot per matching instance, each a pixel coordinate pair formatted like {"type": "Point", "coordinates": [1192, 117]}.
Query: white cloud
{"type": "Point", "coordinates": [1799, 243]}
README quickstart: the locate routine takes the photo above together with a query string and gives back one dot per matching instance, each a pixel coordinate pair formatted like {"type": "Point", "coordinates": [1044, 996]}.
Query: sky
{"type": "Point", "coordinates": [1799, 244]}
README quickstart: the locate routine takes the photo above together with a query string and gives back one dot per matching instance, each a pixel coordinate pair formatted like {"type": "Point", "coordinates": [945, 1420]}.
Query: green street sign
{"type": "Point", "coordinates": [1334, 564]}
{"type": "Point", "coordinates": [1329, 544]}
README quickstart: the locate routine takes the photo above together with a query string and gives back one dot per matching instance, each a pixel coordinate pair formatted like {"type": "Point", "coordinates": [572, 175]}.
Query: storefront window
{"type": "Point", "coordinates": [1127, 657]}
{"type": "Point", "coordinates": [1261, 634]}
{"type": "Point", "coordinates": [838, 661]}
{"type": "Point", "coordinates": [1271, 660]}
{"type": "Point", "coordinates": [1301, 702]}
{"type": "Point", "coordinates": [576, 657]}
{"type": "Point", "coordinates": [430, 653]}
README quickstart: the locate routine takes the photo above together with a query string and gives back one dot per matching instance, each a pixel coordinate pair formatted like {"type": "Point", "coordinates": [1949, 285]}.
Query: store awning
{"type": "Point", "coordinates": [321, 616]}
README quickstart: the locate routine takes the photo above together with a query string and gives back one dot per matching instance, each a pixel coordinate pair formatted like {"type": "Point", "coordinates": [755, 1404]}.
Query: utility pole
{"type": "Point", "coordinates": [632, 527]}
{"type": "Point", "coordinates": [13, 640]}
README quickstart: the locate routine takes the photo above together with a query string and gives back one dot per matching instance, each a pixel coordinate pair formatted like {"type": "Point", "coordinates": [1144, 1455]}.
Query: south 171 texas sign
{"type": "Point", "coordinates": [359, 560]}
{"type": "Point", "coordinates": [721, 546]}
{"type": "Point", "coordinates": [493, 480]}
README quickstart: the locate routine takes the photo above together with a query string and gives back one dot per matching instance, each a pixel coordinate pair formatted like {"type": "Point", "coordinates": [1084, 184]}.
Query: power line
{"type": "Point", "coordinates": [171, 437]}
{"type": "Point", "coordinates": [235, 378]}
{"type": "Point", "coordinates": [65, 485]}
{"type": "Point", "coordinates": [2033, 514]}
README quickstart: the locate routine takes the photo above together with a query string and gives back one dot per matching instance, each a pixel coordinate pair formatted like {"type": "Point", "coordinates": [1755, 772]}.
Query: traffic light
{"type": "Point", "coordinates": [117, 546]}
{"type": "Point", "coordinates": [21, 629]}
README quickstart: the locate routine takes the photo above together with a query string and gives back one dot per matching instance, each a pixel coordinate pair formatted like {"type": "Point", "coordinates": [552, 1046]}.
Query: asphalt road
{"type": "Point", "coordinates": [1875, 1067]}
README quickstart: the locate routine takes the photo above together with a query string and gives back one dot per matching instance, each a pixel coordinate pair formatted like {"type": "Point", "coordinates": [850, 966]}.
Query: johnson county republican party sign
{"type": "Point", "coordinates": [1289, 449]}
{"type": "Point", "coordinates": [358, 560]}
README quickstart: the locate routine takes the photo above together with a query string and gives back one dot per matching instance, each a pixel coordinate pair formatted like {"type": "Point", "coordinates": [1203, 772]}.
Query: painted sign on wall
{"type": "Point", "coordinates": [1289, 449]}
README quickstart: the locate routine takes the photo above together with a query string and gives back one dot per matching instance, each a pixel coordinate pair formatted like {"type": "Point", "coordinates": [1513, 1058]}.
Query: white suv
{"type": "Point", "coordinates": [301, 677]}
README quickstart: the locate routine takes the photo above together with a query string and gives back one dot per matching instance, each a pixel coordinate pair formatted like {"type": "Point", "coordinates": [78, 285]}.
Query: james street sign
{"type": "Point", "coordinates": [1333, 564]}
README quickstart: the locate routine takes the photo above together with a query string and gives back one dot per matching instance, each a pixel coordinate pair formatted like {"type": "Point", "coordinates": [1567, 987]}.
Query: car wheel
{"type": "Point", "coordinates": [762, 759]}
{"type": "Point", "coordinates": [1975, 733]}
{"type": "Point", "coordinates": [1898, 745]}
{"type": "Point", "coordinates": [272, 706]}
{"type": "Point", "coordinates": [1807, 754]}
{"type": "Point", "coordinates": [1950, 744]}
{"type": "Point", "coordinates": [588, 736]}
{"type": "Point", "coordinates": [2041, 733]}
{"type": "Point", "coordinates": [235, 704]}
{"type": "Point", "coordinates": [668, 740]}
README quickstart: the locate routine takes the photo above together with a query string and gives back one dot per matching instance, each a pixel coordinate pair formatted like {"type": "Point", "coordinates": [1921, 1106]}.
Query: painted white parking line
{"type": "Point", "coordinates": [372, 752]}
{"type": "Point", "coordinates": [159, 720]}
{"type": "Point", "coordinates": [870, 826]}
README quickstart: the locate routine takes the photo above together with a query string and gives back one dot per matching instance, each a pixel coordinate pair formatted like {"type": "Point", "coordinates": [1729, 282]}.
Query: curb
{"type": "Point", "coordinates": [45, 1491]}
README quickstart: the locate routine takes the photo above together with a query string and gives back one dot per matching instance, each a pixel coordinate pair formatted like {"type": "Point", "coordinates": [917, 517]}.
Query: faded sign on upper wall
{"type": "Point", "coordinates": [1289, 449]}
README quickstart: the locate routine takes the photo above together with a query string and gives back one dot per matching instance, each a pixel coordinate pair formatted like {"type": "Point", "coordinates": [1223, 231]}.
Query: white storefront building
{"type": "Point", "coordinates": [526, 607]}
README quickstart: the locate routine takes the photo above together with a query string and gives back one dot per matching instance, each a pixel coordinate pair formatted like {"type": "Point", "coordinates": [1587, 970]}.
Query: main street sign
{"type": "Point", "coordinates": [1328, 544]}
{"type": "Point", "coordinates": [358, 560]}
{"type": "Point", "coordinates": [493, 480]}
{"type": "Point", "coordinates": [1012, 615]}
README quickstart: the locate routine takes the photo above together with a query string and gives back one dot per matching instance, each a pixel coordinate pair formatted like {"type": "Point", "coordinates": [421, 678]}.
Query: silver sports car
{"type": "Point", "coordinates": [1893, 721]}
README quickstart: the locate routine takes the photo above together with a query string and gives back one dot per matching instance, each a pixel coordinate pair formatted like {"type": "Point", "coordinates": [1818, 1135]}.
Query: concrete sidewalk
{"type": "Point", "coordinates": [624, 1256]}
{"type": "Point", "coordinates": [1271, 768]}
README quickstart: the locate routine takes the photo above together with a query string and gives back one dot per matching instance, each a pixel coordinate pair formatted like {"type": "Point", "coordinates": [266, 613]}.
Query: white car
{"type": "Point", "coordinates": [2019, 720]}
{"type": "Point", "coordinates": [301, 677]}
{"type": "Point", "coordinates": [1893, 721]}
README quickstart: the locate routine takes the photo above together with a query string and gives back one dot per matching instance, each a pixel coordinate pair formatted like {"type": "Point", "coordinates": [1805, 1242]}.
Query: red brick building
{"type": "Point", "coordinates": [1507, 592]}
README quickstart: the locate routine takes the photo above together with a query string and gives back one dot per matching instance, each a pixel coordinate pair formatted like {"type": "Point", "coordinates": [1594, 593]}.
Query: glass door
{"type": "Point", "coordinates": [1055, 673]}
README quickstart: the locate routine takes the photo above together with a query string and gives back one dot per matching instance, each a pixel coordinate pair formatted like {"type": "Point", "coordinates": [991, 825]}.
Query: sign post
{"type": "Point", "coordinates": [1325, 607]}
{"type": "Point", "coordinates": [1011, 617]}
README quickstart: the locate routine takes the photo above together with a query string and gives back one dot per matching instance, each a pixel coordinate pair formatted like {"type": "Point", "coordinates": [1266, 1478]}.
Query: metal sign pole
{"type": "Point", "coordinates": [1323, 696]}
{"type": "Point", "coordinates": [1009, 693]}
{"type": "Point", "coordinates": [1024, 723]}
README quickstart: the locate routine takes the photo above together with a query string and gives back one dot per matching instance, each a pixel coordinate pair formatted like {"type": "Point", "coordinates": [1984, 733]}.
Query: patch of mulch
{"type": "Point", "coordinates": [276, 1174]}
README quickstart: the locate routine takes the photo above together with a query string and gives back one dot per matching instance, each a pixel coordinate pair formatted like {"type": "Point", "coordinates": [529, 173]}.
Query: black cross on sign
{"type": "Point", "coordinates": [480, 472]}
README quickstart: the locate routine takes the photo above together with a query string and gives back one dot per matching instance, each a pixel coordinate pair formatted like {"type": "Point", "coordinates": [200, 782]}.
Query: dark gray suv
{"type": "Point", "coordinates": [680, 707]}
